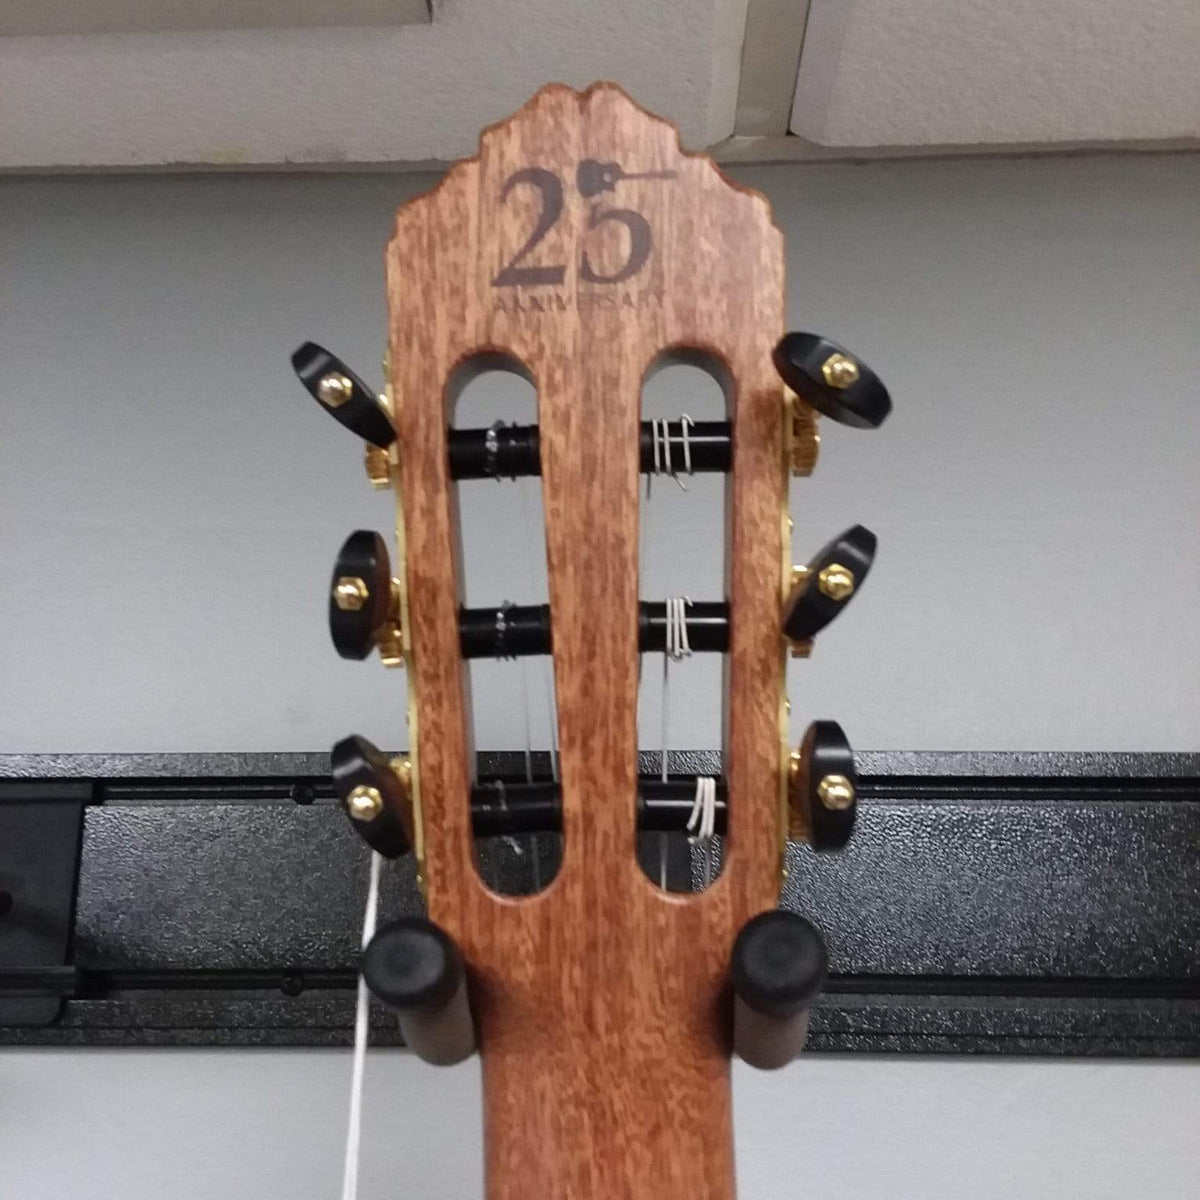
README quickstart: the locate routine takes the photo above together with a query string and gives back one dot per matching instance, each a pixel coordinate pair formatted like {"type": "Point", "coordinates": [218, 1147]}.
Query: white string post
{"type": "Point", "coordinates": [362, 1013]}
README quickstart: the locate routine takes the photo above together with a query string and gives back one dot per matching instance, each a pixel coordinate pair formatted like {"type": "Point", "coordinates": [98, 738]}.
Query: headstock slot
{"type": "Point", "coordinates": [683, 613]}
{"type": "Point", "coordinates": [502, 571]}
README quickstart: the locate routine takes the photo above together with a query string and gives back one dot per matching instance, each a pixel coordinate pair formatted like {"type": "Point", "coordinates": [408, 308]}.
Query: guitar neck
{"type": "Point", "coordinates": [585, 1104]}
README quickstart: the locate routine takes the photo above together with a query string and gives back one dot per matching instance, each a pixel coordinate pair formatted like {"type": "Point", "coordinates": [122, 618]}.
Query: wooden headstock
{"type": "Point", "coordinates": [601, 995]}
{"type": "Point", "coordinates": [582, 247]}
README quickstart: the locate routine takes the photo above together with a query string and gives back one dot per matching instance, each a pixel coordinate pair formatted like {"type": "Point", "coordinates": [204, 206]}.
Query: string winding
{"type": "Point", "coordinates": [661, 442]}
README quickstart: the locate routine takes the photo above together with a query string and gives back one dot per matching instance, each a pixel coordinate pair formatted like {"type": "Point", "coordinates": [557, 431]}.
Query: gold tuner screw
{"type": "Point", "coordinates": [350, 593]}
{"type": "Point", "coordinates": [806, 441]}
{"type": "Point", "coordinates": [795, 768]}
{"type": "Point", "coordinates": [840, 371]}
{"type": "Point", "coordinates": [803, 647]}
{"type": "Point", "coordinates": [797, 815]}
{"type": "Point", "coordinates": [835, 791]}
{"type": "Point", "coordinates": [379, 468]}
{"type": "Point", "coordinates": [402, 768]}
{"type": "Point", "coordinates": [836, 581]}
{"type": "Point", "coordinates": [390, 638]}
{"type": "Point", "coordinates": [364, 802]}
{"type": "Point", "coordinates": [334, 389]}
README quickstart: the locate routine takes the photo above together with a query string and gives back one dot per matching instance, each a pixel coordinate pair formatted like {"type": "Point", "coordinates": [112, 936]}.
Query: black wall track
{"type": "Point", "coordinates": [989, 902]}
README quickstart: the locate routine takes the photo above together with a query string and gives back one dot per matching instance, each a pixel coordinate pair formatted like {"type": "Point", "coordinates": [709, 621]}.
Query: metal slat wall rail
{"type": "Point", "coordinates": [989, 902]}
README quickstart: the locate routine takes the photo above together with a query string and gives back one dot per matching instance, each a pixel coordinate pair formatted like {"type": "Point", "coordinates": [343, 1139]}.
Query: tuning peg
{"type": "Point", "coordinates": [364, 602]}
{"type": "Point", "coordinates": [342, 394]}
{"type": "Point", "coordinates": [778, 967]}
{"type": "Point", "coordinates": [832, 380]}
{"type": "Point", "coordinates": [416, 968]}
{"type": "Point", "coordinates": [822, 588]}
{"type": "Point", "coordinates": [822, 788]}
{"type": "Point", "coordinates": [376, 793]}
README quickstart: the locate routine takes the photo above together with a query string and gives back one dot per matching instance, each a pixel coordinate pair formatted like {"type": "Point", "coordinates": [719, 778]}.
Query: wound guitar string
{"type": "Point", "coordinates": [702, 821]}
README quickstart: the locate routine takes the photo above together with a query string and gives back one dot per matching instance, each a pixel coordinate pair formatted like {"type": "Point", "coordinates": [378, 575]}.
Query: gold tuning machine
{"type": "Point", "coordinates": [376, 793]}
{"type": "Point", "coordinates": [822, 789]}
{"type": "Point", "coordinates": [364, 601]}
{"type": "Point", "coordinates": [821, 589]}
{"type": "Point", "coordinates": [351, 403]}
{"type": "Point", "coordinates": [838, 384]}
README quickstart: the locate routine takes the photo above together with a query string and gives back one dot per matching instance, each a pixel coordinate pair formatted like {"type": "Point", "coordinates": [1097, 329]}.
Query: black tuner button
{"type": "Point", "coordinates": [823, 588]}
{"type": "Point", "coordinates": [779, 963]}
{"type": "Point", "coordinates": [822, 788]}
{"type": "Point", "coordinates": [414, 967]}
{"type": "Point", "coordinates": [778, 968]}
{"type": "Point", "coordinates": [832, 380]}
{"type": "Point", "coordinates": [375, 793]}
{"type": "Point", "coordinates": [363, 606]}
{"type": "Point", "coordinates": [342, 394]}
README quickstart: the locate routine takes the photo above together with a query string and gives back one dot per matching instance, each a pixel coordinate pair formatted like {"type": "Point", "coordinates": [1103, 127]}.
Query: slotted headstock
{"type": "Point", "coordinates": [603, 990]}
{"type": "Point", "coordinates": [581, 248]}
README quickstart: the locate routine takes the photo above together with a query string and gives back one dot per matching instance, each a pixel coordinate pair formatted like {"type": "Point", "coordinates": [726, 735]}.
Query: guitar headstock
{"type": "Point", "coordinates": [582, 248]}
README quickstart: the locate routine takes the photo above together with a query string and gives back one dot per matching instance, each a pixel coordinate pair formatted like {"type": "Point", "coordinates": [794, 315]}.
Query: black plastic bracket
{"type": "Point", "coordinates": [41, 831]}
{"type": "Point", "coordinates": [181, 939]}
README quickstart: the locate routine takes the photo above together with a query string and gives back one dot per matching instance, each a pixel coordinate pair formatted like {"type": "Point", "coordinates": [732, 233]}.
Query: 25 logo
{"type": "Point", "coordinates": [591, 178]}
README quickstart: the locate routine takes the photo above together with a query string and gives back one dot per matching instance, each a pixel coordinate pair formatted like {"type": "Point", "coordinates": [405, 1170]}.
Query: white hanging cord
{"type": "Point", "coordinates": [362, 1015]}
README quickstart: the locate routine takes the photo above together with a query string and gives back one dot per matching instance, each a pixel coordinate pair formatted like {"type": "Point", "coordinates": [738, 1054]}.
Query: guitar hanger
{"type": "Point", "coordinates": [581, 248]}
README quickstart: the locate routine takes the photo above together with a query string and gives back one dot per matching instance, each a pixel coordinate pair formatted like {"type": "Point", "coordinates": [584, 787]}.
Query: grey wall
{"type": "Point", "coordinates": [203, 1125]}
{"type": "Point", "coordinates": [170, 503]}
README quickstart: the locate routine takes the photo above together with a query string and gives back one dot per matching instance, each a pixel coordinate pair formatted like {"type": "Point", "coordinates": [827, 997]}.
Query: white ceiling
{"type": "Point", "coordinates": [876, 74]}
{"type": "Point", "coordinates": [126, 16]}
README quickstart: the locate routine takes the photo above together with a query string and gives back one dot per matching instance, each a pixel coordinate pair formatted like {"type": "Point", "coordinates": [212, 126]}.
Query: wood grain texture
{"type": "Point", "coordinates": [601, 1002]}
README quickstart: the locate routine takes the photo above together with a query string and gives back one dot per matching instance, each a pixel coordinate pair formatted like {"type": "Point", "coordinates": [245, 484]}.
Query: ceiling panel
{"type": "Point", "coordinates": [957, 72]}
{"type": "Point", "coordinates": [406, 94]}
{"type": "Point", "coordinates": [125, 16]}
{"type": "Point", "coordinates": [876, 77]}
